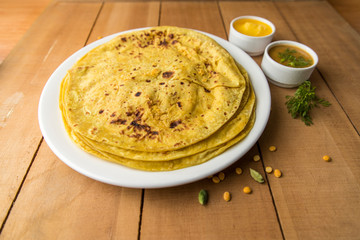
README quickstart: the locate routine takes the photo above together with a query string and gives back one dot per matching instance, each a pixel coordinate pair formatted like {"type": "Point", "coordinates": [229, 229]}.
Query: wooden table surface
{"type": "Point", "coordinates": [42, 198]}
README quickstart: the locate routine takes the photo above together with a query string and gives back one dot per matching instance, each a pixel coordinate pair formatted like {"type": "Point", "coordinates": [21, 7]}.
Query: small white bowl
{"type": "Point", "coordinates": [284, 76]}
{"type": "Point", "coordinates": [253, 46]}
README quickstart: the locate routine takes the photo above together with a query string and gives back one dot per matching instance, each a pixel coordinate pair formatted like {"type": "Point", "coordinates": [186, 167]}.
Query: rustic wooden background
{"type": "Point", "coordinates": [41, 197]}
{"type": "Point", "coordinates": [16, 16]}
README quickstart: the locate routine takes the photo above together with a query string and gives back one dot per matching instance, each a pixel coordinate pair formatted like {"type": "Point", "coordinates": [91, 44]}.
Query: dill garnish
{"type": "Point", "coordinates": [289, 59]}
{"type": "Point", "coordinates": [303, 101]}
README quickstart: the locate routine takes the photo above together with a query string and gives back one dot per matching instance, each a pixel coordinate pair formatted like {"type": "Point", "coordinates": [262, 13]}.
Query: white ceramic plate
{"type": "Point", "coordinates": [54, 133]}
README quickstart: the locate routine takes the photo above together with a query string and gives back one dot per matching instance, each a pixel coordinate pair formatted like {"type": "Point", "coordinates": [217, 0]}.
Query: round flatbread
{"type": "Point", "coordinates": [158, 99]}
{"type": "Point", "coordinates": [154, 90]}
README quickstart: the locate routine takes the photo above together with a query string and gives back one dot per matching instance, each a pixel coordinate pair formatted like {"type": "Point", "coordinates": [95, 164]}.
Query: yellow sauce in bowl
{"type": "Point", "coordinates": [252, 27]}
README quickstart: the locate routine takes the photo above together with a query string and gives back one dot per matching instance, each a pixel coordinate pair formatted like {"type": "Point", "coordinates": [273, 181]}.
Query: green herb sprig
{"type": "Point", "coordinates": [287, 57]}
{"type": "Point", "coordinates": [303, 101]}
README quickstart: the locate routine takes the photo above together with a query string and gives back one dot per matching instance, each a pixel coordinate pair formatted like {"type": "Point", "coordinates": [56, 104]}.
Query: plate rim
{"type": "Point", "coordinates": [130, 177]}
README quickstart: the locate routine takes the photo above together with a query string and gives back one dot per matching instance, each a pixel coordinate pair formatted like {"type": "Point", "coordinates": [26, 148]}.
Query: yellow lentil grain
{"type": "Point", "coordinates": [99, 37]}
{"type": "Point", "coordinates": [238, 170]}
{"type": "Point", "coordinates": [221, 176]}
{"type": "Point", "coordinates": [277, 173]}
{"type": "Point", "coordinates": [268, 169]}
{"type": "Point", "coordinates": [326, 158]}
{"type": "Point", "coordinates": [227, 196]}
{"type": "Point", "coordinates": [272, 148]}
{"type": "Point", "coordinates": [256, 158]}
{"type": "Point", "coordinates": [247, 190]}
{"type": "Point", "coordinates": [215, 179]}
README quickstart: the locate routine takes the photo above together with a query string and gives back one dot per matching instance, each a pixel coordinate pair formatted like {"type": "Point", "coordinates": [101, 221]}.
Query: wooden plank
{"type": "Point", "coordinates": [22, 77]}
{"type": "Point", "coordinates": [349, 10]}
{"type": "Point", "coordinates": [121, 16]}
{"type": "Point", "coordinates": [174, 213]}
{"type": "Point", "coordinates": [314, 199]}
{"type": "Point", "coordinates": [203, 16]}
{"type": "Point", "coordinates": [84, 209]}
{"type": "Point", "coordinates": [323, 202]}
{"type": "Point", "coordinates": [336, 44]}
{"type": "Point", "coordinates": [56, 203]}
{"type": "Point", "coordinates": [16, 16]}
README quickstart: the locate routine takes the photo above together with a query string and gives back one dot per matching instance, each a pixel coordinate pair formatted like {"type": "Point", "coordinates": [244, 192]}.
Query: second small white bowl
{"type": "Point", "coordinates": [284, 76]}
{"type": "Point", "coordinates": [253, 46]}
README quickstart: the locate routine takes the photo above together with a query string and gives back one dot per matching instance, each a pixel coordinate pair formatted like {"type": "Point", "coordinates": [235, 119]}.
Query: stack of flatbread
{"type": "Point", "coordinates": [158, 99]}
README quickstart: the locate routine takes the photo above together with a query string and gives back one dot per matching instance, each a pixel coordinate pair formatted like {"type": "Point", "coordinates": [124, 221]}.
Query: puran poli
{"type": "Point", "coordinates": [157, 99]}
{"type": "Point", "coordinates": [171, 164]}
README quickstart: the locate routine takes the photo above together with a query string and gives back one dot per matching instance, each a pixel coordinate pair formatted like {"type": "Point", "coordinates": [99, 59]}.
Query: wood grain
{"type": "Point", "coordinates": [203, 16]}
{"type": "Point", "coordinates": [326, 196]}
{"type": "Point", "coordinates": [22, 77]}
{"type": "Point", "coordinates": [63, 204]}
{"type": "Point", "coordinates": [16, 16]}
{"type": "Point", "coordinates": [175, 213]}
{"type": "Point", "coordinates": [349, 10]}
{"type": "Point", "coordinates": [335, 48]}
{"type": "Point", "coordinates": [121, 16]}
{"type": "Point", "coordinates": [315, 199]}
{"type": "Point", "coordinates": [312, 194]}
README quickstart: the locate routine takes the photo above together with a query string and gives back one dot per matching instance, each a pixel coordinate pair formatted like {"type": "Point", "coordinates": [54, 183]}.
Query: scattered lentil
{"type": "Point", "coordinates": [327, 158]}
{"type": "Point", "coordinates": [272, 148]}
{"type": "Point", "coordinates": [268, 169]}
{"type": "Point", "coordinates": [238, 170]}
{"type": "Point", "coordinates": [277, 173]}
{"type": "Point", "coordinates": [247, 190]}
{"type": "Point", "coordinates": [227, 196]}
{"type": "Point", "coordinates": [215, 179]}
{"type": "Point", "coordinates": [256, 158]}
{"type": "Point", "coordinates": [221, 176]}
